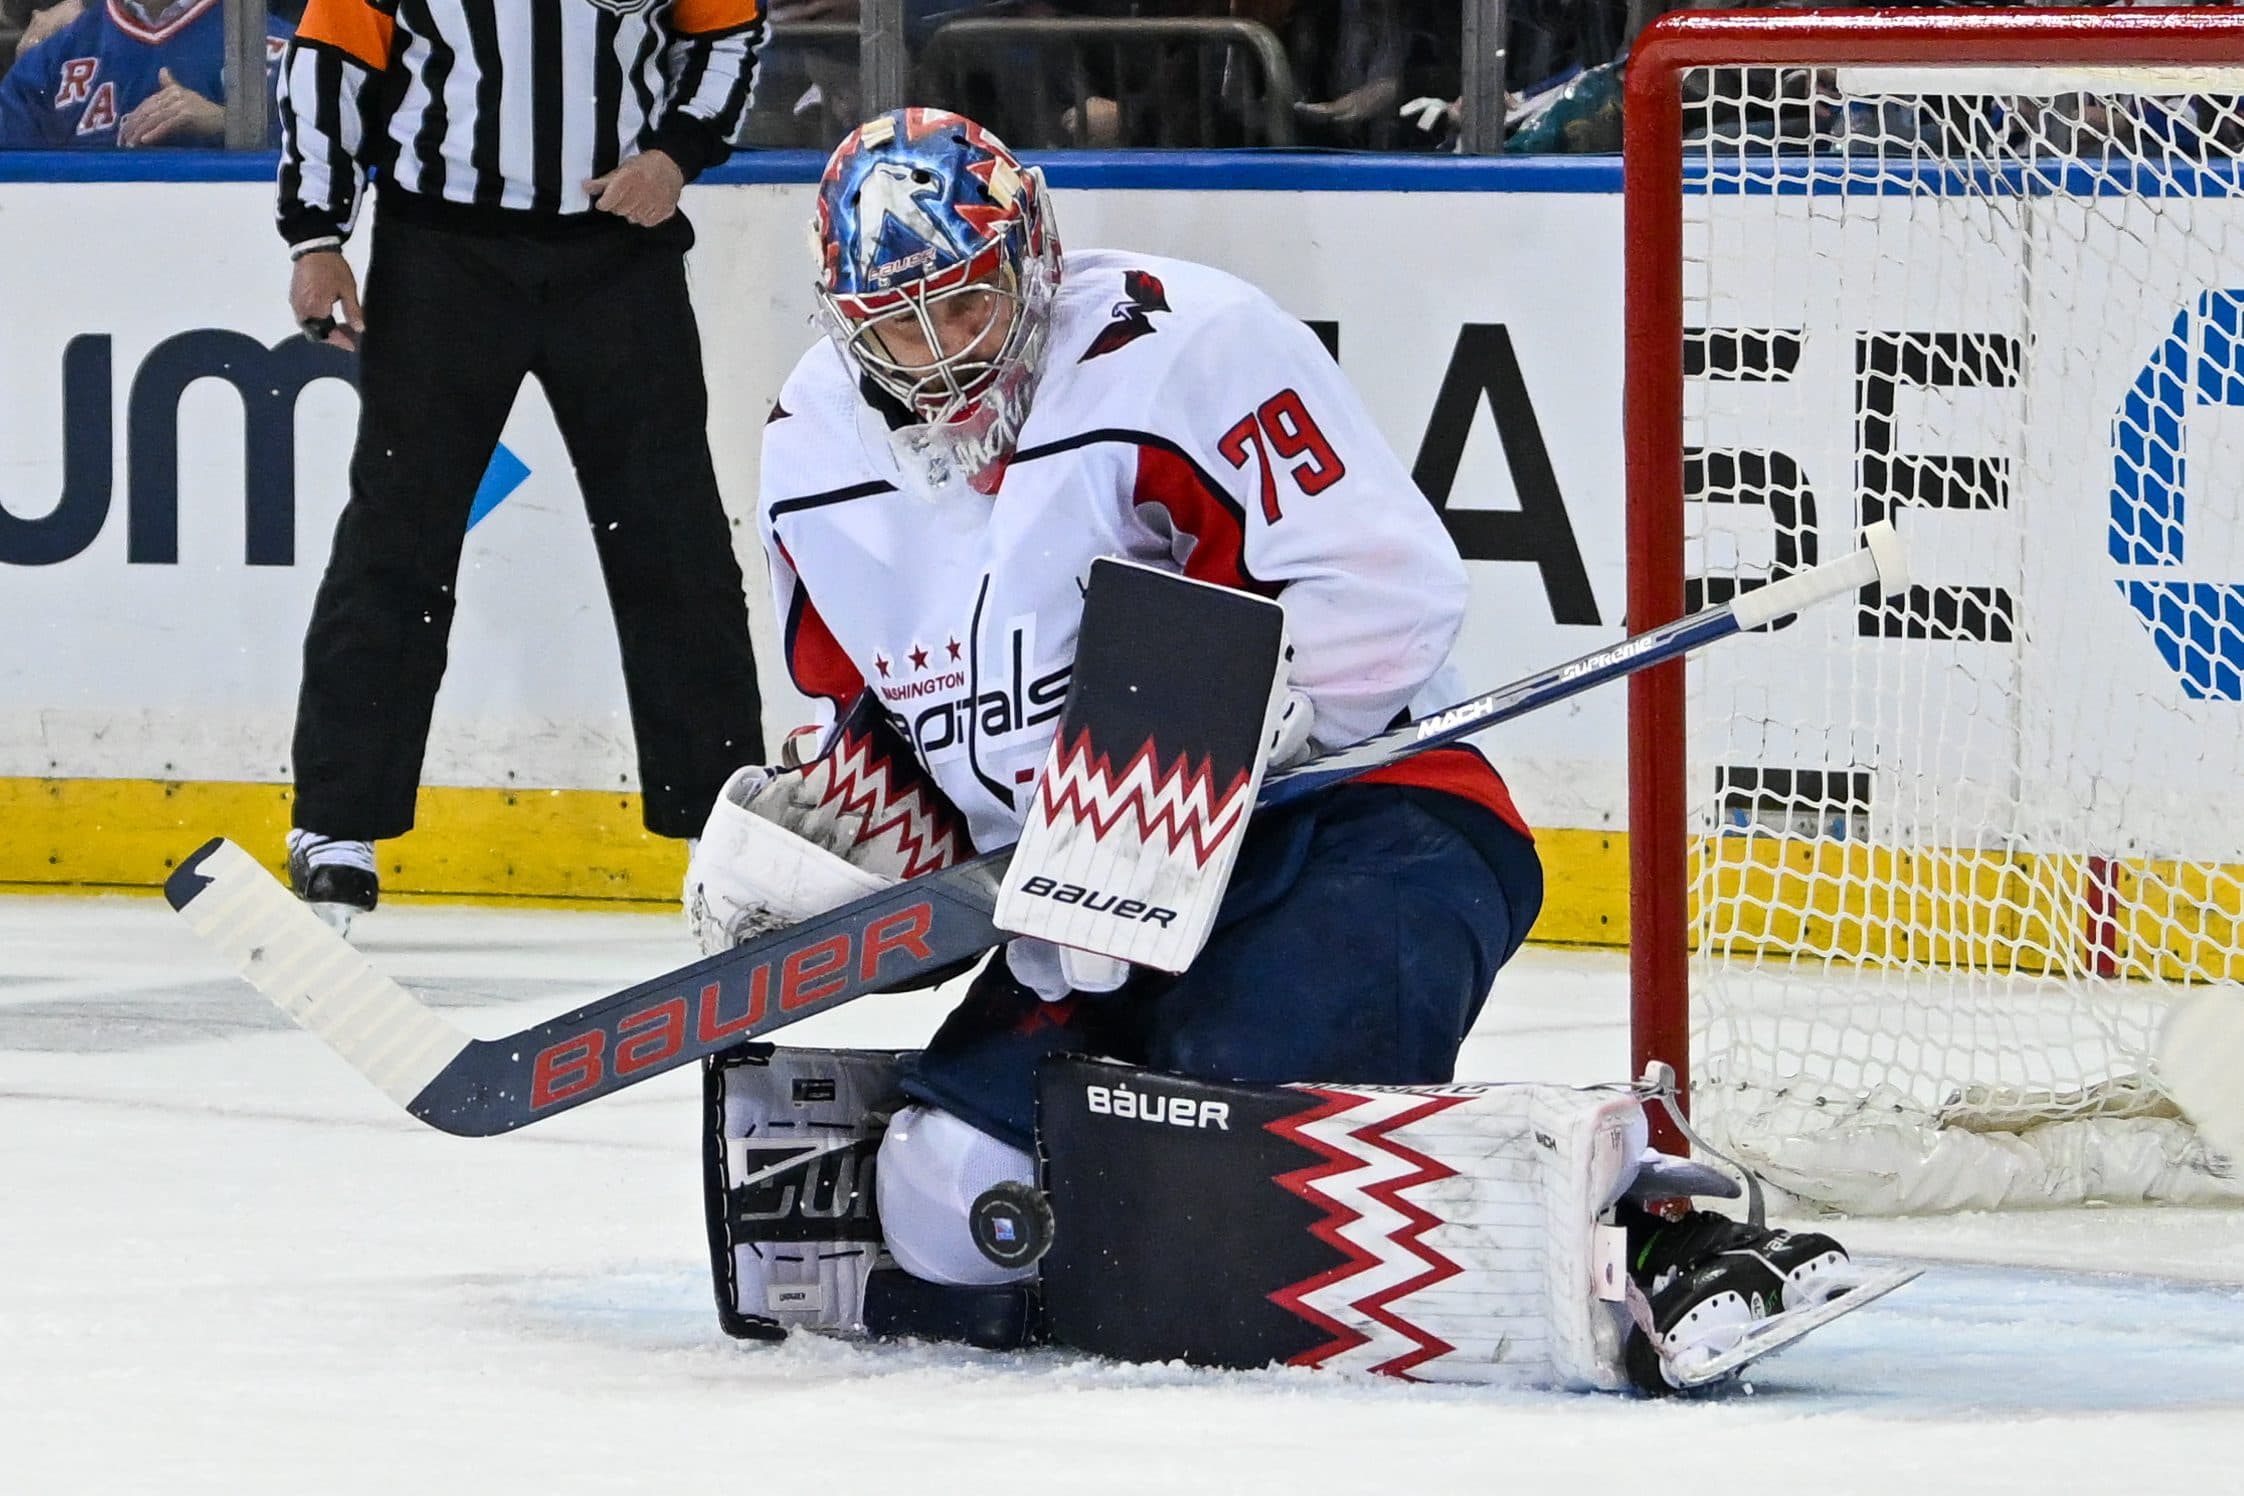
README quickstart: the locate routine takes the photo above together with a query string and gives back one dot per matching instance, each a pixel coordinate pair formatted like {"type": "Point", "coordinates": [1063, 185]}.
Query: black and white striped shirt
{"type": "Point", "coordinates": [503, 104]}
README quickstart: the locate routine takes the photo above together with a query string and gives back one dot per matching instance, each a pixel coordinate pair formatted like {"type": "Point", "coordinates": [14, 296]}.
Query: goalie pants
{"type": "Point", "coordinates": [1356, 942]}
{"type": "Point", "coordinates": [457, 316]}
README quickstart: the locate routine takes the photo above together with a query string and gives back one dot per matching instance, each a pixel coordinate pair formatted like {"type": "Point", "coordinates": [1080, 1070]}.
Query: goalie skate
{"type": "Point", "coordinates": [1690, 1367]}
{"type": "Point", "coordinates": [1733, 1293]}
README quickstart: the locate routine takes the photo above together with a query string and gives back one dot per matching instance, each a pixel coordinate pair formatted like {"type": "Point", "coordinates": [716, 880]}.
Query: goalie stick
{"type": "Point", "coordinates": [481, 1087]}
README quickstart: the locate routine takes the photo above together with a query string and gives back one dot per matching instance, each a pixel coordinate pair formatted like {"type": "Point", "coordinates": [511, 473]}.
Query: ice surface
{"type": "Point", "coordinates": [229, 1265]}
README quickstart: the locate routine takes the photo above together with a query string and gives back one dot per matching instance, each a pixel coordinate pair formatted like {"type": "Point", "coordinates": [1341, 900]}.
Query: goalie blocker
{"type": "Point", "coordinates": [1153, 771]}
{"type": "Point", "coordinates": [1460, 1233]}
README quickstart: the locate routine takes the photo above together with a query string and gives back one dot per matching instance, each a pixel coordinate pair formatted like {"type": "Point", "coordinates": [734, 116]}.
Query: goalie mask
{"type": "Point", "coordinates": [939, 265]}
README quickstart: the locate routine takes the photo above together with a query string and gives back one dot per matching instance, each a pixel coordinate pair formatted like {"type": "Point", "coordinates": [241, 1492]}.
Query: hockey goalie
{"type": "Point", "coordinates": [1072, 548]}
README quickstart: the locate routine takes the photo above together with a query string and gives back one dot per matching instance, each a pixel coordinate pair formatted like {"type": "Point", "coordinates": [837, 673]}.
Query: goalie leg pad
{"type": "Point", "coordinates": [1439, 1233]}
{"type": "Point", "coordinates": [789, 1146]}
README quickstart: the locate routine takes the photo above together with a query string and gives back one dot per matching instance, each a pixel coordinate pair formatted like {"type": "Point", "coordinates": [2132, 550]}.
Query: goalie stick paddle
{"type": "Point", "coordinates": [482, 1087]}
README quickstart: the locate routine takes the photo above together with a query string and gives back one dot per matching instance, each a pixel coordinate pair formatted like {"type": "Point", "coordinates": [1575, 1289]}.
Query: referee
{"type": "Point", "coordinates": [530, 155]}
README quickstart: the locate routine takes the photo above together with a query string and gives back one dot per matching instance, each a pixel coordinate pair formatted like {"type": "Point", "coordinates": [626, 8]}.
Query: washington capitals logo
{"type": "Point", "coordinates": [1133, 317]}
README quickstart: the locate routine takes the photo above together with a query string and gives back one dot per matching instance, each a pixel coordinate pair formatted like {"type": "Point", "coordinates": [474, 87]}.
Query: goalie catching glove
{"type": "Point", "coordinates": [773, 853]}
{"type": "Point", "coordinates": [784, 844]}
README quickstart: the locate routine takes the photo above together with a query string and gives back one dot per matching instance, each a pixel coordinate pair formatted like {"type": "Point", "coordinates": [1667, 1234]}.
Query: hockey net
{"type": "Point", "coordinates": [1915, 881]}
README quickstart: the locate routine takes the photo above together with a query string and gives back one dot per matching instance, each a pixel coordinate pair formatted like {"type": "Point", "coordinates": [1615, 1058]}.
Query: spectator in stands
{"type": "Point", "coordinates": [126, 73]}
{"type": "Point", "coordinates": [807, 85]}
{"type": "Point", "coordinates": [1383, 74]}
{"type": "Point", "coordinates": [1176, 91]}
{"type": "Point", "coordinates": [1366, 66]}
{"type": "Point", "coordinates": [1563, 76]}
{"type": "Point", "coordinates": [40, 22]}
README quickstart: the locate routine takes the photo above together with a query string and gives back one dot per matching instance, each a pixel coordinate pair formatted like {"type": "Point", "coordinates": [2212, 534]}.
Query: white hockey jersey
{"type": "Point", "coordinates": [1183, 420]}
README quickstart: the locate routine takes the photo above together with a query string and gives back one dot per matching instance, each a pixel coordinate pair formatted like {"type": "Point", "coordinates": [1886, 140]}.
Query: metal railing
{"type": "Point", "coordinates": [1139, 51]}
{"type": "Point", "coordinates": [1250, 94]}
{"type": "Point", "coordinates": [246, 90]}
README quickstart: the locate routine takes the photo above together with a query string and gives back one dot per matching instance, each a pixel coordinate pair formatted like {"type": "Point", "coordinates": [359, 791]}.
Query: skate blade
{"type": "Point", "coordinates": [1773, 1334]}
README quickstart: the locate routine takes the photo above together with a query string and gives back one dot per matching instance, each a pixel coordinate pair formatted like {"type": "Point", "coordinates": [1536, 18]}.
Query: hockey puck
{"type": "Point", "coordinates": [1012, 1224]}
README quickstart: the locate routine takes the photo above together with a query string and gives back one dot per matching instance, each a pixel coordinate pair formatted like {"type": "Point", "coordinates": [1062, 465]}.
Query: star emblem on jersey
{"type": "Point", "coordinates": [953, 647]}
{"type": "Point", "coordinates": [880, 663]}
{"type": "Point", "coordinates": [919, 657]}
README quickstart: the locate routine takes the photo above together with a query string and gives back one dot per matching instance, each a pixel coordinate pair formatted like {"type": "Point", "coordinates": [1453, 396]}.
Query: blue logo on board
{"type": "Point", "coordinates": [502, 477]}
{"type": "Point", "coordinates": [2198, 627]}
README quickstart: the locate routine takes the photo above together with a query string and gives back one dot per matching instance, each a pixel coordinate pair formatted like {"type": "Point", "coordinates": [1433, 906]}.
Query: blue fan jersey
{"type": "Point", "coordinates": [74, 87]}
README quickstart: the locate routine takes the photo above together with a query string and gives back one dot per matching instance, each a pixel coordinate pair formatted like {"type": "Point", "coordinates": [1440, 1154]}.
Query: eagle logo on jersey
{"type": "Point", "coordinates": [898, 193]}
{"type": "Point", "coordinates": [1133, 317]}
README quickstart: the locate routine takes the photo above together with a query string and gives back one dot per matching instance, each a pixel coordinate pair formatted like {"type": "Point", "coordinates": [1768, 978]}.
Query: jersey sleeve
{"type": "Point", "coordinates": [330, 100]}
{"type": "Point", "coordinates": [1280, 482]}
{"type": "Point", "coordinates": [709, 65]}
{"type": "Point", "coordinates": [28, 118]}
{"type": "Point", "coordinates": [816, 662]}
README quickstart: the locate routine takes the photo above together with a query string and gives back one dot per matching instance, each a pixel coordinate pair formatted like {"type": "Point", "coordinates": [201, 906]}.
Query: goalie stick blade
{"type": "Point", "coordinates": [1771, 1335]}
{"type": "Point", "coordinates": [187, 880]}
{"type": "Point", "coordinates": [311, 973]}
{"type": "Point", "coordinates": [2201, 1061]}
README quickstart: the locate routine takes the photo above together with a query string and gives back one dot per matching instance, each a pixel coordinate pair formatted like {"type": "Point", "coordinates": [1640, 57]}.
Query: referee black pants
{"type": "Point", "coordinates": [455, 318]}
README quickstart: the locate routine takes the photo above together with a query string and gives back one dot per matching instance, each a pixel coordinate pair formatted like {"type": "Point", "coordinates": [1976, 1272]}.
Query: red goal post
{"type": "Point", "coordinates": [1655, 175]}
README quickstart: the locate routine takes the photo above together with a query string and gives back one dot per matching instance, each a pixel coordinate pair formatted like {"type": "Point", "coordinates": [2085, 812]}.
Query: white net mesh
{"type": "Point", "coordinates": [1952, 856]}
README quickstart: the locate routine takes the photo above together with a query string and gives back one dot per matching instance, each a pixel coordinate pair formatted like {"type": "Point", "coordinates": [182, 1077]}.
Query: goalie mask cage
{"type": "Point", "coordinates": [1912, 883]}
